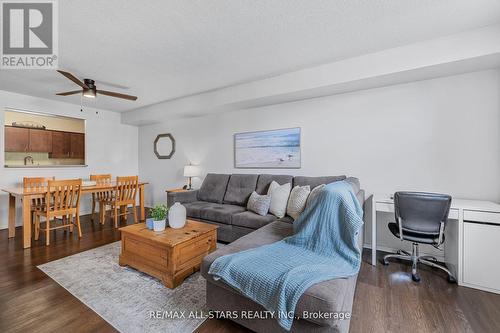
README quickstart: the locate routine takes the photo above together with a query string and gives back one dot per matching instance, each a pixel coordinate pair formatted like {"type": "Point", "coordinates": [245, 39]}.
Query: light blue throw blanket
{"type": "Point", "coordinates": [324, 246]}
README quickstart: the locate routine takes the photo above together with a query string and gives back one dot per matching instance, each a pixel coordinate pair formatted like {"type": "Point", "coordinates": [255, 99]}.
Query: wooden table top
{"type": "Point", "coordinates": [22, 191]}
{"type": "Point", "coordinates": [171, 237]}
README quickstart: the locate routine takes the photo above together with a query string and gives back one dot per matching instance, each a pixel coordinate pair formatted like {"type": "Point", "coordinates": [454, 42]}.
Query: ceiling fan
{"type": "Point", "coordinates": [89, 89]}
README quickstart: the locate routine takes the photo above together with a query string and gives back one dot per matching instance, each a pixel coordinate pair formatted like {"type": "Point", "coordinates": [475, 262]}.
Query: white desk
{"type": "Point", "coordinates": [471, 237]}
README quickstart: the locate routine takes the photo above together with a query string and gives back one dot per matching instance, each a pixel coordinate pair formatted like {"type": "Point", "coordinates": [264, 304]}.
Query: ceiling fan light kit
{"type": "Point", "coordinates": [91, 92]}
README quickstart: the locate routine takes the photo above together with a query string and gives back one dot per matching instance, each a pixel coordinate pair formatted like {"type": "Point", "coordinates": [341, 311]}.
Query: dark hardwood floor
{"type": "Point", "coordinates": [386, 299]}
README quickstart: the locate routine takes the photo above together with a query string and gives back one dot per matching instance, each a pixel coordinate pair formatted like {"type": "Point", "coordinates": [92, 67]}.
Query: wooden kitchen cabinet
{"type": "Point", "coordinates": [57, 143]}
{"type": "Point", "coordinates": [77, 145]}
{"type": "Point", "coordinates": [17, 139]}
{"type": "Point", "coordinates": [40, 141]}
{"type": "Point", "coordinates": [61, 145]}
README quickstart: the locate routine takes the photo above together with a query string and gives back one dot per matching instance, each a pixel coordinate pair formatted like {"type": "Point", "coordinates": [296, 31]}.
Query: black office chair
{"type": "Point", "coordinates": [420, 218]}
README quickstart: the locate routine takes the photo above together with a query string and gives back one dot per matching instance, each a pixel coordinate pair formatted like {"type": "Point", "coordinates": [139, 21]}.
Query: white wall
{"type": "Point", "coordinates": [435, 135]}
{"type": "Point", "coordinates": [111, 147]}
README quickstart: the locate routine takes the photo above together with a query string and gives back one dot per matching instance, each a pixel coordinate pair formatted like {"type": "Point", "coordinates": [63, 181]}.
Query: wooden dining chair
{"type": "Point", "coordinates": [123, 195]}
{"type": "Point", "coordinates": [34, 184]}
{"type": "Point", "coordinates": [97, 197]}
{"type": "Point", "coordinates": [62, 199]}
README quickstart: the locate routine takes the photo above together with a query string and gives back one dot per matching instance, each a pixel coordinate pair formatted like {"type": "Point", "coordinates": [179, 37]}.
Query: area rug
{"type": "Point", "coordinates": [127, 299]}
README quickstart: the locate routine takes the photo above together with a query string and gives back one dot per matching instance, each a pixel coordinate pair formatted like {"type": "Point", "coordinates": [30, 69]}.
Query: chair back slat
{"type": "Point", "coordinates": [126, 188]}
{"type": "Point", "coordinates": [63, 195]}
{"type": "Point", "coordinates": [102, 180]}
{"type": "Point", "coordinates": [34, 184]}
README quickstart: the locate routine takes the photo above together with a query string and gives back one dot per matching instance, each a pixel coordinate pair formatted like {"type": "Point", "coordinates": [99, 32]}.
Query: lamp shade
{"type": "Point", "coordinates": [191, 171]}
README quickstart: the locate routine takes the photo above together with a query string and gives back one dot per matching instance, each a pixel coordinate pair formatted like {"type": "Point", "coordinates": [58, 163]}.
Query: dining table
{"type": "Point", "coordinates": [26, 194]}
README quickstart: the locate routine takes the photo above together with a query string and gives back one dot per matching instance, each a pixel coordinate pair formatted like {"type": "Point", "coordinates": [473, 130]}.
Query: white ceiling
{"type": "Point", "coordinates": [160, 50]}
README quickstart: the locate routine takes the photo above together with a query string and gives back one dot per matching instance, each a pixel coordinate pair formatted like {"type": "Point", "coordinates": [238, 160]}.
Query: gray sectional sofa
{"type": "Point", "coordinates": [329, 297]}
{"type": "Point", "coordinates": [222, 200]}
{"type": "Point", "coordinates": [226, 205]}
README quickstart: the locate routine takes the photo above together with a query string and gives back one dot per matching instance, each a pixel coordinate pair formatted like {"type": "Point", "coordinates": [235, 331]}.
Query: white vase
{"type": "Point", "coordinates": [177, 216]}
{"type": "Point", "coordinates": [159, 225]}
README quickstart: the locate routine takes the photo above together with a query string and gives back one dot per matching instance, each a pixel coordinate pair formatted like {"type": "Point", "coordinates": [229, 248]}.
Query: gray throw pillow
{"type": "Point", "coordinates": [259, 203]}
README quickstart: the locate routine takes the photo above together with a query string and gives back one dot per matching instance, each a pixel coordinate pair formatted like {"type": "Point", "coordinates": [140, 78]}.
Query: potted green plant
{"type": "Point", "coordinates": [159, 215]}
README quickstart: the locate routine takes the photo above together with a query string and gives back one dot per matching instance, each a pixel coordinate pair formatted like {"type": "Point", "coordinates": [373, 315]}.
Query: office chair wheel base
{"type": "Point", "coordinates": [451, 279]}
{"type": "Point", "coordinates": [415, 277]}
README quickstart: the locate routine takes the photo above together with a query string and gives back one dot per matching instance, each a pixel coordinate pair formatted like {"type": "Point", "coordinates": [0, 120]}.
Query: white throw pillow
{"type": "Point", "coordinates": [315, 191]}
{"type": "Point", "coordinates": [279, 198]}
{"type": "Point", "coordinates": [297, 201]}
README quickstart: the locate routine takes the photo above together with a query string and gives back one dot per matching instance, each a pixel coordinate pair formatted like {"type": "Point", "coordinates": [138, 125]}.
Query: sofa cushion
{"type": "Point", "coordinates": [193, 209]}
{"type": "Point", "coordinates": [239, 189]}
{"type": "Point", "coordinates": [251, 220]}
{"type": "Point", "coordinates": [286, 219]}
{"type": "Point", "coordinates": [265, 180]}
{"type": "Point", "coordinates": [315, 181]}
{"type": "Point", "coordinates": [326, 297]}
{"type": "Point", "coordinates": [221, 213]}
{"type": "Point", "coordinates": [213, 188]}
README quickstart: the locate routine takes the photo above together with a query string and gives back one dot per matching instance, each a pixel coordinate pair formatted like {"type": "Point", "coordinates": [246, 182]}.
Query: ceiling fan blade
{"type": "Point", "coordinates": [74, 79]}
{"type": "Point", "coordinates": [69, 93]}
{"type": "Point", "coordinates": [114, 94]}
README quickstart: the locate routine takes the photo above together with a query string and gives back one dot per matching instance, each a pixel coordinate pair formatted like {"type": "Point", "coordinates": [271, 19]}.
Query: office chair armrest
{"type": "Point", "coordinates": [400, 225]}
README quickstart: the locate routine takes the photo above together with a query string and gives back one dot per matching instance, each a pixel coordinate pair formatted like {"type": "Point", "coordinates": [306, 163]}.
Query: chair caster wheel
{"type": "Point", "coordinates": [415, 277]}
{"type": "Point", "coordinates": [384, 262]}
{"type": "Point", "coordinates": [451, 279]}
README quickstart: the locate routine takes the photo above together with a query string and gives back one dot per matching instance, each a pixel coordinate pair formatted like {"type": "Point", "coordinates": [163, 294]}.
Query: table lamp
{"type": "Point", "coordinates": [190, 171]}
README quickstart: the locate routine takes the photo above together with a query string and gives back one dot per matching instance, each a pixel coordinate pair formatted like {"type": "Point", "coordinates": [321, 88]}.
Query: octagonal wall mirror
{"type": "Point", "coordinates": [164, 146]}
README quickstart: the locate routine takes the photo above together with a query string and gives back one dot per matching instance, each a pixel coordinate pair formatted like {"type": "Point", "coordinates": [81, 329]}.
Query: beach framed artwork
{"type": "Point", "coordinates": [274, 149]}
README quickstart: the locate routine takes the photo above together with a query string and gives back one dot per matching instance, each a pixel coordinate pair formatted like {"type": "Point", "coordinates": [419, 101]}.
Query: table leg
{"type": "Point", "coordinates": [141, 203]}
{"type": "Point", "coordinates": [26, 222]}
{"type": "Point", "coordinates": [12, 216]}
{"type": "Point", "coordinates": [374, 232]}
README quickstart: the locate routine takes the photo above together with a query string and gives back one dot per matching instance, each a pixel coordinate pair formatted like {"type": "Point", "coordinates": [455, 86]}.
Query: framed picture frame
{"type": "Point", "coordinates": [268, 149]}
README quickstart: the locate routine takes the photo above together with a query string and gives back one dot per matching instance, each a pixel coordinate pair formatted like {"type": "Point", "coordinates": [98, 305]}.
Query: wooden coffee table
{"type": "Point", "coordinates": [170, 255]}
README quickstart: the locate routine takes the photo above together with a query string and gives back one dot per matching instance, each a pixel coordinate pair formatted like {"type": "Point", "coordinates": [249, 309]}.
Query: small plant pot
{"type": "Point", "coordinates": [149, 224]}
{"type": "Point", "coordinates": [159, 225]}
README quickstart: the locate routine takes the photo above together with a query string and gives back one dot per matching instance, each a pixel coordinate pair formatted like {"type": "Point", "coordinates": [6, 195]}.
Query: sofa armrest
{"type": "Point", "coordinates": [181, 197]}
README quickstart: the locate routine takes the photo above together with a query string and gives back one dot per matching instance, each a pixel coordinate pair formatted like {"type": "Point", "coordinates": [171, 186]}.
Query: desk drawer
{"type": "Point", "coordinates": [479, 216]}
